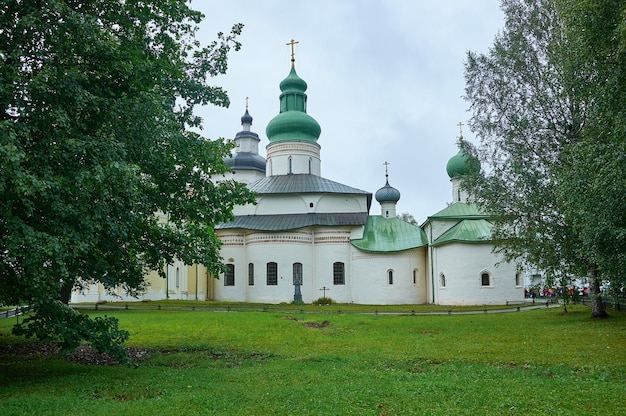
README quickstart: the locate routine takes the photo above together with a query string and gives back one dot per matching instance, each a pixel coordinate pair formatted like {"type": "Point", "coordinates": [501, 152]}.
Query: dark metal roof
{"type": "Point", "coordinates": [246, 161]}
{"type": "Point", "coordinates": [302, 184]}
{"type": "Point", "coordinates": [294, 221]}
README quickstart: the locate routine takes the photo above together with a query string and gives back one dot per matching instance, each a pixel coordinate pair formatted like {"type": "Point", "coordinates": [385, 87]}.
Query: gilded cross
{"type": "Point", "coordinates": [460, 130]}
{"type": "Point", "coordinates": [386, 169]}
{"type": "Point", "coordinates": [246, 103]}
{"type": "Point", "coordinates": [293, 53]}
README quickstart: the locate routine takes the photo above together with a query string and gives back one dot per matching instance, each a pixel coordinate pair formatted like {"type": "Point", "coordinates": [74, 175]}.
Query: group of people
{"type": "Point", "coordinates": [550, 292]}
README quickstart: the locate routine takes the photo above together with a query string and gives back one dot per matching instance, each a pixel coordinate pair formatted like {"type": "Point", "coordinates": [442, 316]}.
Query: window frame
{"type": "Point", "coordinates": [271, 273]}
{"type": "Point", "coordinates": [229, 275]}
{"type": "Point", "coordinates": [487, 275]}
{"type": "Point", "coordinates": [339, 273]}
{"type": "Point", "coordinates": [250, 274]}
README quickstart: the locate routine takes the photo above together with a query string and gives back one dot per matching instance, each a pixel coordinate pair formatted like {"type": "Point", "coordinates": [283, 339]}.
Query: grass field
{"type": "Point", "coordinates": [540, 362]}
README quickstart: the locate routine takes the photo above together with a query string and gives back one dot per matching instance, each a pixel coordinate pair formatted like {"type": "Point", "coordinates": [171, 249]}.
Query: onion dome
{"type": "Point", "coordinates": [293, 123]}
{"type": "Point", "coordinates": [247, 156]}
{"type": "Point", "coordinates": [461, 165]}
{"type": "Point", "coordinates": [246, 119]}
{"type": "Point", "coordinates": [387, 194]}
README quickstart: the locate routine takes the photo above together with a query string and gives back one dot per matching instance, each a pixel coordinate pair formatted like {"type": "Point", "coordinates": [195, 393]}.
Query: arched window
{"type": "Point", "coordinates": [251, 274]}
{"type": "Point", "coordinates": [442, 280]}
{"type": "Point", "coordinates": [414, 276]}
{"type": "Point", "coordinates": [339, 273]}
{"type": "Point", "coordinates": [177, 278]}
{"type": "Point", "coordinates": [310, 162]}
{"type": "Point", "coordinates": [229, 275]}
{"type": "Point", "coordinates": [290, 165]}
{"type": "Point", "coordinates": [272, 274]}
{"type": "Point", "coordinates": [297, 273]}
{"type": "Point", "coordinates": [458, 195]}
{"type": "Point", "coordinates": [485, 279]}
{"type": "Point", "coordinates": [390, 277]}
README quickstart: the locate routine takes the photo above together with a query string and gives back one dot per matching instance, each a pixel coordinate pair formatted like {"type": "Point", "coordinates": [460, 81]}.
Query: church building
{"type": "Point", "coordinates": [308, 236]}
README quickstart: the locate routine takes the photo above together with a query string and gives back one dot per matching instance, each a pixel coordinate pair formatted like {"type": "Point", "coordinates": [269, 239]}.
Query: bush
{"type": "Point", "coordinates": [324, 300]}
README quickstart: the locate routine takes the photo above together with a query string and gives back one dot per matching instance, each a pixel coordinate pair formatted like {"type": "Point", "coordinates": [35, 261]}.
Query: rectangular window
{"type": "Point", "coordinates": [518, 279]}
{"type": "Point", "coordinates": [272, 274]}
{"type": "Point", "coordinates": [297, 273]}
{"type": "Point", "coordinates": [251, 274]}
{"type": "Point", "coordinates": [229, 275]}
{"type": "Point", "coordinates": [339, 273]}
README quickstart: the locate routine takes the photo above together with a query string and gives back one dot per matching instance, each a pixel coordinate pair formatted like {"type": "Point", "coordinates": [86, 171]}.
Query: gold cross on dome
{"type": "Point", "coordinates": [386, 168]}
{"type": "Point", "coordinates": [246, 103]}
{"type": "Point", "coordinates": [293, 53]}
{"type": "Point", "coordinates": [460, 130]}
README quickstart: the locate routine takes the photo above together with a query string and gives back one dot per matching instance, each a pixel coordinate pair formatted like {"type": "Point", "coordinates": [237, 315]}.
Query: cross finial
{"type": "Point", "coordinates": [246, 103]}
{"type": "Point", "coordinates": [293, 53]}
{"type": "Point", "coordinates": [460, 130]}
{"type": "Point", "coordinates": [386, 169]}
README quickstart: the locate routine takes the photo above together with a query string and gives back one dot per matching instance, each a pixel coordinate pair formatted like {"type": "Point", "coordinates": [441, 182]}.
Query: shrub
{"type": "Point", "coordinates": [324, 300]}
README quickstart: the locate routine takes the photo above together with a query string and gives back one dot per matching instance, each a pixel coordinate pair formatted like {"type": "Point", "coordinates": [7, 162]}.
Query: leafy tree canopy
{"type": "Point", "coordinates": [96, 138]}
{"type": "Point", "coordinates": [545, 101]}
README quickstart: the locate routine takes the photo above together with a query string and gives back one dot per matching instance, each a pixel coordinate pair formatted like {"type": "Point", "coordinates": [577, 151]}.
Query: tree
{"type": "Point", "coordinates": [594, 183]}
{"type": "Point", "coordinates": [532, 106]}
{"type": "Point", "coordinates": [405, 216]}
{"type": "Point", "coordinates": [96, 137]}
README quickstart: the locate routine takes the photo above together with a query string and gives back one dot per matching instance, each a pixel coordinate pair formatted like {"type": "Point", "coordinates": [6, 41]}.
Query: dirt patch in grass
{"type": "Point", "coordinates": [310, 324]}
{"type": "Point", "coordinates": [84, 354]}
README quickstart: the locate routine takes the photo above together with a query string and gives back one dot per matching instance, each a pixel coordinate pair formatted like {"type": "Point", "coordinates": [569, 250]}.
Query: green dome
{"type": "Point", "coordinates": [293, 83]}
{"type": "Point", "coordinates": [460, 165]}
{"type": "Point", "coordinates": [293, 123]}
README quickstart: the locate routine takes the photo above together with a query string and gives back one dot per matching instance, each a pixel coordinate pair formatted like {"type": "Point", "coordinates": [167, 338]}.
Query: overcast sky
{"type": "Point", "coordinates": [385, 83]}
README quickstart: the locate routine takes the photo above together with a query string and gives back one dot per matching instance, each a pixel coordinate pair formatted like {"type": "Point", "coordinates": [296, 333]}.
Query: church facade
{"type": "Point", "coordinates": [308, 236]}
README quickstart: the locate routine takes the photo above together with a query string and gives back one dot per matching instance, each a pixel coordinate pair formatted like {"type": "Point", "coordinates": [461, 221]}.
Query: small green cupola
{"type": "Point", "coordinates": [458, 166]}
{"type": "Point", "coordinates": [461, 164]}
{"type": "Point", "coordinates": [293, 123]}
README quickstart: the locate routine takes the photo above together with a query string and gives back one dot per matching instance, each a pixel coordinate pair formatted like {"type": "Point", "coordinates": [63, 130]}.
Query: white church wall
{"type": "Point", "coordinates": [315, 249]}
{"type": "Point", "coordinates": [276, 205]}
{"type": "Point", "coordinates": [293, 158]}
{"type": "Point", "coordinates": [332, 245]}
{"type": "Point", "coordinates": [436, 228]}
{"type": "Point", "coordinates": [457, 276]}
{"type": "Point", "coordinates": [341, 203]}
{"type": "Point", "coordinates": [370, 277]}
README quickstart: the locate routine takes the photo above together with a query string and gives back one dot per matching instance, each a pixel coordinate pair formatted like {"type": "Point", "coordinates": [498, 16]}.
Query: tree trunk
{"type": "Point", "coordinates": [66, 293]}
{"type": "Point", "coordinates": [597, 305]}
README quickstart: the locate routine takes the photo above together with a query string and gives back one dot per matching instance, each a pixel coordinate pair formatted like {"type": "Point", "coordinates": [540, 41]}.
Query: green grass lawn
{"type": "Point", "coordinates": [269, 363]}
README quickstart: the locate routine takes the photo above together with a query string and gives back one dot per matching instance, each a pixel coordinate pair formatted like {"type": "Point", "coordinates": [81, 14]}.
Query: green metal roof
{"type": "Point", "coordinates": [466, 231]}
{"type": "Point", "coordinates": [459, 211]}
{"type": "Point", "coordinates": [294, 221]}
{"type": "Point", "coordinates": [384, 235]}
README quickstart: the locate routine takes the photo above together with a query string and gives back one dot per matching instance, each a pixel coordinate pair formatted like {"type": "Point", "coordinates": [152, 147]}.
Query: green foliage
{"type": "Point", "coordinates": [548, 106]}
{"type": "Point", "coordinates": [96, 106]}
{"type": "Point", "coordinates": [56, 322]}
{"type": "Point", "coordinates": [594, 185]}
{"type": "Point", "coordinates": [324, 300]}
